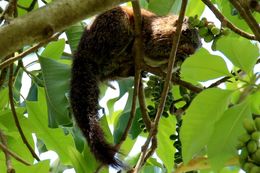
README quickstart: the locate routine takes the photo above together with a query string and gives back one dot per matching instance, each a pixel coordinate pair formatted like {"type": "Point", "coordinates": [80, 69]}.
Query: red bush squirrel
{"type": "Point", "coordinates": [105, 52]}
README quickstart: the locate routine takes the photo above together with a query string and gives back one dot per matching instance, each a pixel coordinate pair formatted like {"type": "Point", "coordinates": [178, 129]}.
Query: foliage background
{"type": "Point", "coordinates": [210, 126]}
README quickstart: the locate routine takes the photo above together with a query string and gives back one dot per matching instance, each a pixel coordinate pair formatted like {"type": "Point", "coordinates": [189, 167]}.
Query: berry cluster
{"type": "Point", "coordinates": [153, 90]}
{"type": "Point", "coordinates": [207, 30]}
{"type": "Point", "coordinates": [249, 143]}
{"type": "Point", "coordinates": [177, 144]}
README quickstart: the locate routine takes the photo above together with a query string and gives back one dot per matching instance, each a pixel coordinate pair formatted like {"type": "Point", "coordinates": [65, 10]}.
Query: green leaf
{"type": "Point", "coordinates": [4, 98]}
{"type": "Point", "coordinates": [25, 3]}
{"type": "Point", "coordinates": [222, 146]}
{"type": "Point", "coordinates": [165, 148]}
{"type": "Point", "coordinates": [203, 66]}
{"type": "Point", "coordinates": [37, 112]}
{"type": "Point", "coordinates": [191, 11]}
{"type": "Point", "coordinates": [41, 167]}
{"type": "Point", "coordinates": [255, 102]}
{"type": "Point", "coordinates": [226, 9]}
{"type": "Point", "coordinates": [14, 139]}
{"type": "Point", "coordinates": [123, 119]}
{"type": "Point", "coordinates": [135, 128]}
{"type": "Point", "coordinates": [78, 138]}
{"type": "Point", "coordinates": [18, 85]}
{"type": "Point", "coordinates": [161, 7]}
{"type": "Point", "coordinates": [56, 78]}
{"type": "Point", "coordinates": [74, 34]}
{"type": "Point", "coordinates": [79, 163]}
{"type": "Point", "coordinates": [54, 49]}
{"type": "Point", "coordinates": [198, 123]}
{"type": "Point", "coordinates": [241, 52]}
{"type": "Point", "coordinates": [32, 95]}
{"type": "Point", "coordinates": [124, 86]}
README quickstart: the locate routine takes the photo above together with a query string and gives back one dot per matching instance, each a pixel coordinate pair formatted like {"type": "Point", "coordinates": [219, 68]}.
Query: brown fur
{"type": "Point", "coordinates": [105, 52]}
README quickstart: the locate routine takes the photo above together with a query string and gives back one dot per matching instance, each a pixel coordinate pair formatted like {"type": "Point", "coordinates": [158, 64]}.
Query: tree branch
{"type": "Point", "coordinates": [227, 23]}
{"type": "Point", "coordinates": [158, 71]}
{"type": "Point", "coordinates": [44, 22]}
{"type": "Point", "coordinates": [154, 125]}
{"type": "Point", "coordinates": [17, 123]}
{"type": "Point", "coordinates": [248, 17]}
{"type": "Point", "coordinates": [8, 160]}
{"type": "Point", "coordinates": [145, 116]}
{"type": "Point", "coordinates": [9, 61]}
{"type": "Point", "coordinates": [10, 11]}
{"type": "Point", "coordinates": [138, 50]}
{"type": "Point", "coordinates": [13, 154]}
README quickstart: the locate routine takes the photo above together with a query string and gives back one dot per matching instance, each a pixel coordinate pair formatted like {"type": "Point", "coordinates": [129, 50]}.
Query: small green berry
{"type": "Point", "coordinates": [257, 123]}
{"type": "Point", "coordinates": [252, 146]}
{"type": "Point", "coordinates": [196, 22]}
{"type": "Point", "coordinates": [255, 169]}
{"type": "Point", "coordinates": [210, 25]}
{"type": "Point", "coordinates": [248, 166]}
{"type": "Point", "coordinates": [215, 30]}
{"type": "Point", "coordinates": [225, 31]}
{"type": "Point", "coordinates": [256, 135]}
{"type": "Point", "coordinates": [208, 38]}
{"type": "Point", "coordinates": [249, 125]}
{"type": "Point", "coordinates": [203, 31]}
{"type": "Point", "coordinates": [244, 138]}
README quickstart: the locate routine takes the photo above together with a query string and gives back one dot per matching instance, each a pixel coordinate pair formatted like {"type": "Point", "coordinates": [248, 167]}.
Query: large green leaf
{"type": "Point", "coordinates": [255, 102]}
{"type": "Point", "coordinates": [54, 49]}
{"type": "Point", "coordinates": [122, 121]}
{"type": "Point", "coordinates": [165, 148]}
{"type": "Point", "coordinates": [37, 112]}
{"type": "Point", "coordinates": [203, 66]}
{"type": "Point", "coordinates": [18, 85]}
{"type": "Point", "coordinates": [227, 10]}
{"type": "Point", "coordinates": [4, 98]}
{"type": "Point", "coordinates": [56, 77]}
{"type": "Point", "coordinates": [198, 123]}
{"type": "Point", "coordinates": [41, 167]}
{"type": "Point", "coordinates": [242, 53]}
{"type": "Point", "coordinates": [161, 7]}
{"type": "Point", "coordinates": [15, 142]}
{"type": "Point", "coordinates": [222, 146]}
{"type": "Point", "coordinates": [74, 33]}
{"type": "Point", "coordinates": [25, 3]}
{"type": "Point", "coordinates": [195, 8]}
{"type": "Point", "coordinates": [79, 162]}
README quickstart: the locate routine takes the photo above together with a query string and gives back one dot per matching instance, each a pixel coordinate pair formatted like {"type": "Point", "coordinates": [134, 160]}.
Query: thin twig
{"type": "Point", "coordinates": [138, 49]}
{"type": "Point", "coordinates": [30, 8]}
{"type": "Point", "coordinates": [145, 116]}
{"type": "Point", "coordinates": [170, 64]}
{"type": "Point", "coordinates": [13, 154]}
{"type": "Point", "coordinates": [246, 14]}
{"type": "Point", "coordinates": [154, 125]}
{"type": "Point", "coordinates": [8, 160]}
{"type": "Point", "coordinates": [3, 76]}
{"type": "Point", "coordinates": [9, 12]}
{"type": "Point", "coordinates": [28, 51]}
{"type": "Point", "coordinates": [217, 83]}
{"type": "Point", "coordinates": [159, 72]}
{"type": "Point", "coordinates": [152, 149]}
{"type": "Point", "coordinates": [226, 22]}
{"type": "Point", "coordinates": [201, 163]}
{"type": "Point", "coordinates": [17, 123]}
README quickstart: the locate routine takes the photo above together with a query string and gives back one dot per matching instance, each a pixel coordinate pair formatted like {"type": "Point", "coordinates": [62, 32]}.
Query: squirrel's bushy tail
{"type": "Point", "coordinates": [84, 95]}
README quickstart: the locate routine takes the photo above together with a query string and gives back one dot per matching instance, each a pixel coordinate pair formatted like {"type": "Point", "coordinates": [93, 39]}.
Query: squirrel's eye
{"type": "Point", "coordinates": [186, 33]}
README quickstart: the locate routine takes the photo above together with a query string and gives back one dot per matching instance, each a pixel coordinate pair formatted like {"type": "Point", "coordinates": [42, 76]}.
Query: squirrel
{"type": "Point", "coordinates": [105, 52]}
